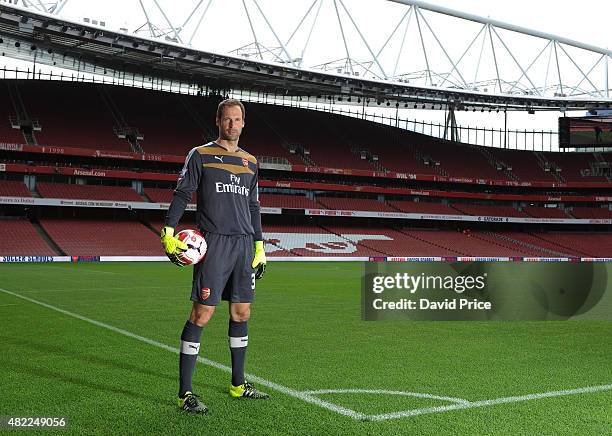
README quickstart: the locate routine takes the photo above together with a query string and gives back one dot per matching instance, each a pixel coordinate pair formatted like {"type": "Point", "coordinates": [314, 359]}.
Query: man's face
{"type": "Point", "coordinates": [231, 123]}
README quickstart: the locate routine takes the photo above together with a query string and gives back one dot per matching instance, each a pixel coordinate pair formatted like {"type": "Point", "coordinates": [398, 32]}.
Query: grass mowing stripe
{"type": "Point", "coordinates": [483, 403]}
{"type": "Point", "coordinates": [283, 389]}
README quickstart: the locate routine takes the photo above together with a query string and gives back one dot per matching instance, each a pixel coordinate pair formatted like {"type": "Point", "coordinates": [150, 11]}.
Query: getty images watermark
{"type": "Point", "coordinates": [485, 291]}
{"type": "Point", "coordinates": [413, 284]}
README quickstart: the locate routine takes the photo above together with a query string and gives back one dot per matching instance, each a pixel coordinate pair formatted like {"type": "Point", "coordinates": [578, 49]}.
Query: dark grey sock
{"type": "Point", "coordinates": [238, 341]}
{"type": "Point", "coordinates": [190, 346]}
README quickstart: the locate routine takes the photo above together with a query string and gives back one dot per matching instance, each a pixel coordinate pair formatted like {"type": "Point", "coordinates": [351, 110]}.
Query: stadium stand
{"type": "Point", "coordinates": [325, 146]}
{"type": "Point", "coordinates": [397, 243]}
{"type": "Point", "coordinates": [461, 160]}
{"type": "Point", "coordinates": [71, 116]}
{"type": "Point", "coordinates": [163, 120]}
{"type": "Point", "coordinates": [163, 195]}
{"type": "Point", "coordinates": [424, 207]}
{"type": "Point", "coordinates": [519, 248]}
{"type": "Point", "coordinates": [545, 212]}
{"type": "Point", "coordinates": [288, 201]}
{"type": "Point", "coordinates": [400, 158]}
{"type": "Point", "coordinates": [7, 133]}
{"type": "Point", "coordinates": [87, 192]}
{"type": "Point", "coordinates": [467, 243]}
{"type": "Point", "coordinates": [575, 167]}
{"type": "Point", "coordinates": [583, 243]}
{"type": "Point", "coordinates": [83, 115]}
{"type": "Point", "coordinates": [364, 204]}
{"type": "Point", "coordinates": [546, 248]}
{"type": "Point", "coordinates": [488, 210]}
{"type": "Point", "coordinates": [525, 165]}
{"type": "Point", "coordinates": [13, 188]}
{"type": "Point", "coordinates": [24, 239]}
{"type": "Point", "coordinates": [392, 149]}
{"type": "Point", "coordinates": [591, 212]}
{"type": "Point", "coordinates": [85, 237]}
{"type": "Point", "coordinates": [289, 240]}
{"type": "Point", "coordinates": [262, 141]}
{"type": "Point", "coordinates": [319, 241]}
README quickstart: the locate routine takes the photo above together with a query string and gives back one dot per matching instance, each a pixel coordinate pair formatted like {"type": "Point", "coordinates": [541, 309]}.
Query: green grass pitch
{"type": "Point", "coordinates": [305, 334]}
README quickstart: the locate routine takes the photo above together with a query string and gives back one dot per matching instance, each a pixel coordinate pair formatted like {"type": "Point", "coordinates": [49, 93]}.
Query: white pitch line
{"type": "Point", "coordinates": [387, 392]}
{"type": "Point", "coordinates": [483, 403]}
{"type": "Point", "coordinates": [283, 389]}
{"type": "Point", "coordinates": [307, 396]}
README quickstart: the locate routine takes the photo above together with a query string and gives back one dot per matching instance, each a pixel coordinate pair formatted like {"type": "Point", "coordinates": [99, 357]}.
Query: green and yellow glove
{"type": "Point", "coordinates": [259, 260]}
{"type": "Point", "coordinates": [172, 246]}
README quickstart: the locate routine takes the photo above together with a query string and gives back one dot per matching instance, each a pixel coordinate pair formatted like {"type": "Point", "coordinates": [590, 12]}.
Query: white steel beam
{"type": "Point", "coordinates": [502, 25]}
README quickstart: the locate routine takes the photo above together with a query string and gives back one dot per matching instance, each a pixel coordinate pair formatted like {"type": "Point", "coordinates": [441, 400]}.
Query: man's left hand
{"type": "Point", "coordinates": [259, 260]}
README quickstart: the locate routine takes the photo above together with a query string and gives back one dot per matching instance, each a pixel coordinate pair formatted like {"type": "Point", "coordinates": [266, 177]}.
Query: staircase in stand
{"type": "Point", "coordinates": [22, 121]}
{"type": "Point", "coordinates": [285, 143]}
{"type": "Point", "coordinates": [497, 164]}
{"type": "Point", "coordinates": [121, 128]}
{"type": "Point", "coordinates": [549, 166]}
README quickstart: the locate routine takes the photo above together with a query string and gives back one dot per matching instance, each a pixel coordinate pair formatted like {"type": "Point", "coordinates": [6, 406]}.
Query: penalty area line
{"type": "Point", "coordinates": [272, 385]}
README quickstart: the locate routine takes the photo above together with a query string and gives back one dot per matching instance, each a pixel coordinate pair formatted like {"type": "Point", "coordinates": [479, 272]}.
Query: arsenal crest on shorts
{"type": "Point", "coordinates": [245, 162]}
{"type": "Point", "coordinates": [204, 293]}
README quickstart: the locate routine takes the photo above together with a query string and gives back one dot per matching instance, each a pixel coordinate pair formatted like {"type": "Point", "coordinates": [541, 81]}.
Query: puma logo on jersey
{"type": "Point", "coordinates": [220, 158]}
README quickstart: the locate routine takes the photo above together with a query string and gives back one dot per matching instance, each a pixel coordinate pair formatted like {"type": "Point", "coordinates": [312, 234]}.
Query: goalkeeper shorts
{"type": "Point", "coordinates": [226, 272]}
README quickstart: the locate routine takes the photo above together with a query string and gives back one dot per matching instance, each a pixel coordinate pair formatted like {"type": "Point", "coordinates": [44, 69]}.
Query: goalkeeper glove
{"type": "Point", "coordinates": [259, 260]}
{"type": "Point", "coordinates": [172, 246]}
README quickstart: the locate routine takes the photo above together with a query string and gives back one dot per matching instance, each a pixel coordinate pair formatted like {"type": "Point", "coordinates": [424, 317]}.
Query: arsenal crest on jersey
{"type": "Point", "coordinates": [245, 162]}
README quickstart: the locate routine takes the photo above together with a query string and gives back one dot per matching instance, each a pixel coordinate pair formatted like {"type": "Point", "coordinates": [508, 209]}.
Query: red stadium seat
{"type": "Point", "coordinates": [363, 204]}
{"type": "Point", "coordinates": [103, 237]}
{"type": "Point", "coordinates": [288, 201]}
{"type": "Point", "coordinates": [12, 188]}
{"type": "Point", "coordinates": [24, 239]}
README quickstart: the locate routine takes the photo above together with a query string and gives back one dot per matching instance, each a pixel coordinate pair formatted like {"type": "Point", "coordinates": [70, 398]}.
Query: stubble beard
{"type": "Point", "coordinates": [227, 137]}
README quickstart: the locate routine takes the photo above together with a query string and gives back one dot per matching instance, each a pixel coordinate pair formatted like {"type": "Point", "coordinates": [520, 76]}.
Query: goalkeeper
{"type": "Point", "coordinates": [224, 178]}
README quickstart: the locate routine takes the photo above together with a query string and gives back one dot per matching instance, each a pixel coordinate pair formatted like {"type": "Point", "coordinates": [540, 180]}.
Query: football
{"type": "Point", "coordinates": [197, 246]}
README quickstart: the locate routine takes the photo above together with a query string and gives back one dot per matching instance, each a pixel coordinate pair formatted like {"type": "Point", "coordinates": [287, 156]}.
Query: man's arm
{"type": "Point", "coordinates": [187, 184]}
{"type": "Point", "coordinates": [259, 259]}
{"type": "Point", "coordinates": [254, 208]}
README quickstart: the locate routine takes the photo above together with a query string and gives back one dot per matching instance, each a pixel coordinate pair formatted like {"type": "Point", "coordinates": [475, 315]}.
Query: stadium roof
{"type": "Point", "coordinates": [48, 39]}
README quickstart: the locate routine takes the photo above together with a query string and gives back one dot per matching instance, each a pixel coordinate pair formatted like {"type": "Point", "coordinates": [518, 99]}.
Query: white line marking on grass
{"type": "Point", "coordinates": [283, 389]}
{"type": "Point", "coordinates": [308, 396]}
{"type": "Point", "coordinates": [483, 403]}
{"type": "Point", "coordinates": [387, 392]}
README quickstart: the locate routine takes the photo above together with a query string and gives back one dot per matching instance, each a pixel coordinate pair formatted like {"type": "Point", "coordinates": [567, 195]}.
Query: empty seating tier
{"type": "Point", "coordinates": [12, 188]}
{"type": "Point", "coordinates": [19, 237]}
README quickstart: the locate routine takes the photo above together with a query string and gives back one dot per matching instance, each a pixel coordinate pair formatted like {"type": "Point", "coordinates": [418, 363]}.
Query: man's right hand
{"type": "Point", "coordinates": [172, 246]}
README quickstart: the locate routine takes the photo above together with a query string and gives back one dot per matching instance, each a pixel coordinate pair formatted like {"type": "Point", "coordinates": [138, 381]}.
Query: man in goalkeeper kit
{"type": "Point", "coordinates": [225, 179]}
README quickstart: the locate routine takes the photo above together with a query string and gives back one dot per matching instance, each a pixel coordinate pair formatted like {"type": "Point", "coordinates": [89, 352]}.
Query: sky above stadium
{"type": "Point", "coordinates": [585, 24]}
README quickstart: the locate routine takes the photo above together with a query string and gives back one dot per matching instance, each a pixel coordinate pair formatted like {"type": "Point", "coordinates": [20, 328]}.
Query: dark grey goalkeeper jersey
{"type": "Point", "coordinates": [227, 194]}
